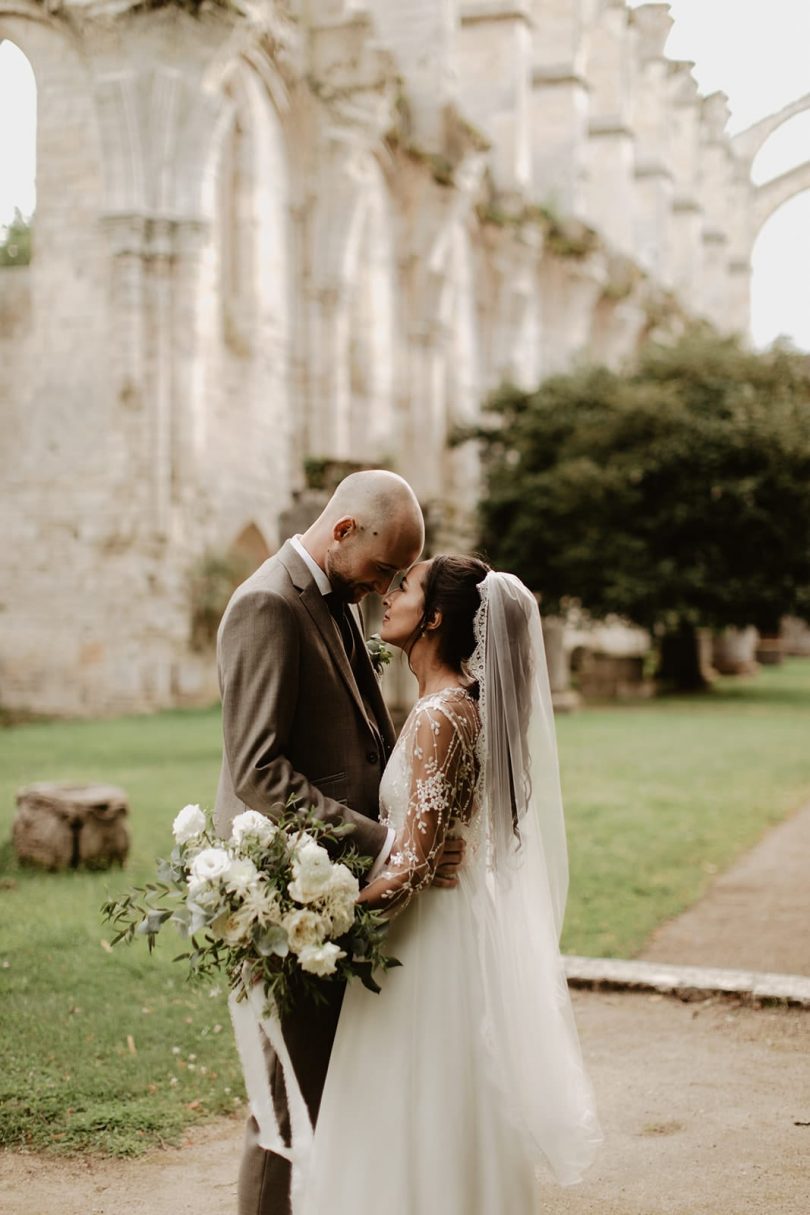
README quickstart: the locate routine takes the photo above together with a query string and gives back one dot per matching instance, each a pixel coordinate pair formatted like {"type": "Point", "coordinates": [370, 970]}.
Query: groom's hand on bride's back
{"type": "Point", "coordinates": [450, 861]}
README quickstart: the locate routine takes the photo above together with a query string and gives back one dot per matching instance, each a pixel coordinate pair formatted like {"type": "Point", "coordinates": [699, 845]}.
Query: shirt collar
{"type": "Point", "coordinates": [321, 581]}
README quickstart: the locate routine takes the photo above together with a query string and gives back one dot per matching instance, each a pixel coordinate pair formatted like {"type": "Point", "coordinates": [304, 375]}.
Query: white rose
{"type": "Point", "coordinates": [190, 823]}
{"type": "Point", "coordinates": [312, 872]}
{"type": "Point", "coordinates": [208, 865]}
{"type": "Point", "coordinates": [344, 883]}
{"type": "Point", "coordinates": [241, 875]}
{"type": "Point", "coordinates": [341, 916]}
{"type": "Point", "coordinates": [303, 928]}
{"type": "Point", "coordinates": [250, 822]}
{"type": "Point", "coordinates": [230, 926]}
{"type": "Point", "coordinates": [320, 959]}
{"type": "Point", "coordinates": [341, 898]}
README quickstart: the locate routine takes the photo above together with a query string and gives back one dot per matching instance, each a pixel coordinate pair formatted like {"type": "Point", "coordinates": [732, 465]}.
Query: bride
{"type": "Point", "coordinates": [447, 1093]}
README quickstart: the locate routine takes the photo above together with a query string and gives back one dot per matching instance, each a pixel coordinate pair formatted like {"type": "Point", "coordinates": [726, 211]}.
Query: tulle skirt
{"type": "Point", "coordinates": [410, 1122]}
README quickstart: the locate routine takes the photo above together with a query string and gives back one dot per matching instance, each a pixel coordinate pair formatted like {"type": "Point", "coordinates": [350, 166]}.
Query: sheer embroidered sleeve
{"type": "Point", "coordinates": [440, 742]}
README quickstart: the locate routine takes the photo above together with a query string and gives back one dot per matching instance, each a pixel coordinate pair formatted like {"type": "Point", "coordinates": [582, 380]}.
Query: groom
{"type": "Point", "coordinates": [302, 715]}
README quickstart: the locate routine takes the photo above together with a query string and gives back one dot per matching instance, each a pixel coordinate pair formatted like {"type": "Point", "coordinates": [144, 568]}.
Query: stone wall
{"type": "Point", "coordinates": [304, 230]}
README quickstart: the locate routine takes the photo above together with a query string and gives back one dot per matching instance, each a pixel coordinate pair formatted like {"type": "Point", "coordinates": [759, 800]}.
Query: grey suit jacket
{"type": "Point", "coordinates": [294, 720]}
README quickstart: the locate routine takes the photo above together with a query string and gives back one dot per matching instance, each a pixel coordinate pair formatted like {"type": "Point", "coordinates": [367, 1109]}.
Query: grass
{"type": "Point", "coordinates": [661, 796]}
{"type": "Point", "coordinates": [108, 1052]}
{"type": "Point", "coordinates": [113, 1052]}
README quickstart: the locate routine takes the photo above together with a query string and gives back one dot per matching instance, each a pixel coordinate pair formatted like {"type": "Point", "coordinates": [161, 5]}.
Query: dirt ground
{"type": "Point", "coordinates": [705, 1106]}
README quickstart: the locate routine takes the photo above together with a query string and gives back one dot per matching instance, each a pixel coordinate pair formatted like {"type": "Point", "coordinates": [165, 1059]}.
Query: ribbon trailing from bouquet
{"type": "Point", "coordinates": [252, 1021]}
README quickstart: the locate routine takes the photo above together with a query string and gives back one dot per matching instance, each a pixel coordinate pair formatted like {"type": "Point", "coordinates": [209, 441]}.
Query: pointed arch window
{"type": "Point", "coordinates": [18, 123]}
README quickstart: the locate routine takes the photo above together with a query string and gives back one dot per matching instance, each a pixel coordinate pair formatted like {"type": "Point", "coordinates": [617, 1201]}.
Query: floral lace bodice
{"type": "Point", "coordinates": [427, 791]}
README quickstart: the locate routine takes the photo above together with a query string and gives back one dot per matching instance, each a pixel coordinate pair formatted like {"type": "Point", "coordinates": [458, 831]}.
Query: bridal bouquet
{"type": "Point", "coordinates": [267, 906]}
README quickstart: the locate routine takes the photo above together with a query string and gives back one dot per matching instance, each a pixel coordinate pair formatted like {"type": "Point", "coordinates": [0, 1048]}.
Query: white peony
{"type": "Point", "coordinates": [304, 928]}
{"type": "Point", "coordinates": [232, 927]}
{"type": "Point", "coordinates": [241, 875]}
{"type": "Point", "coordinates": [312, 872]}
{"type": "Point", "coordinates": [320, 959]}
{"type": "Point", "coordinates": [190, 823]}
{"type": "Point", "coordinates": [344, 883]}
{"type": "Point", "coordinates": [208, 865]}
{"type": "Point", "coordinates": [250, 822]}
{"type": "Point", "coordinates": [341, 898]}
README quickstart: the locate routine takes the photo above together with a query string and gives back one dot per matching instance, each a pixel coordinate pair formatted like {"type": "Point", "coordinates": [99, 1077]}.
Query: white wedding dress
{"type": "Point", "coordinates": [453, 1090]}
{"type": "Point", "coordinates": [411, 1122]}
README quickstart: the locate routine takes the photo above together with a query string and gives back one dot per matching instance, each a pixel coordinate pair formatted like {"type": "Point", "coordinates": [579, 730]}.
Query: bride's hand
{"type": "Point", "coordinates": [450, 861]}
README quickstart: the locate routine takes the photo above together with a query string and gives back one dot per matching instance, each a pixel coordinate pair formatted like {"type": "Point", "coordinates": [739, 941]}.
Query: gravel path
{"type": "Point", "coordinates": [706, 1110]}
{"type": "Point", "coordinates": [756, 916]}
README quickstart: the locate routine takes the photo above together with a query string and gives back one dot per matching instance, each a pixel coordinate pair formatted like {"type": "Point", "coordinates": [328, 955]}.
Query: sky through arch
{"type": "Point", "coordinates": [780, 285]}
{"type": "Point", "coordinates": [18, 133]}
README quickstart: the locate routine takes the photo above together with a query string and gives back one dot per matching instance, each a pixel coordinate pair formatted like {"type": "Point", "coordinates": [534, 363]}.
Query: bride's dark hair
{"type": "Point", "coordinates": [451, 587]}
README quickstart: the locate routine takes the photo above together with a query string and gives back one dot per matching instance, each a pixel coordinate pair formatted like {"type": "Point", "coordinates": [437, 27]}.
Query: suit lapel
{"type": "Point", "coordinates": [313, 601]}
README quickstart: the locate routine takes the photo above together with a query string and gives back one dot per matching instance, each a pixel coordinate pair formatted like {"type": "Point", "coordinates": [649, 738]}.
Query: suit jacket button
{"type": "Point", "coordinates": [372, 757]}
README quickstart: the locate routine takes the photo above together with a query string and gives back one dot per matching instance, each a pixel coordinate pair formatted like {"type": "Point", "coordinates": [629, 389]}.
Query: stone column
{"type": "Point", "coordinates": [611, 141]}
{"type": "Point", "coordinates": [653, 174]}
{"type": "Point", "coordinates": [686, 247]}
{"type": "Point", "coordinates": [570, 290]}
{"type": "Point", "coordinates": [494, 66]}
{"type": "Point", "coordinates": [563, 696]}
{"type": "Point", "coordinates": [716, 173]}
{"type": "Point", "coordinates": [559, 105]}
{"type": "Point", "coordinates": [422, 36]}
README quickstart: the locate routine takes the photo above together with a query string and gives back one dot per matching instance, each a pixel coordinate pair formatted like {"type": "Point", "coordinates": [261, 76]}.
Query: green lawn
{"type": "Point", "coordinates": [114, 1051]}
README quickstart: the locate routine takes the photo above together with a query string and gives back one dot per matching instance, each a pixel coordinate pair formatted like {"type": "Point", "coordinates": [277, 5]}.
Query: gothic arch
{"type": "Point", "coordinates": [248, 306]}
{"type": "Point", "coordinates": [28, 81]}
{"type": "Point", "coordinates": [770, 196]}
{"type": "Point", "coordinates": [251, 546]}
{"type": "Point", "coordinates": [749, 142]}
{"type": "Point", "coordinates": [779, 284]}
{"type": "Point", "coordinates": [352, 270]}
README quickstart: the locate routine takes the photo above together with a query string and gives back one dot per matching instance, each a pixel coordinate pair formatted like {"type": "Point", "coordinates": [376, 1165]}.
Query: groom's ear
{"type": "Point", "coordinates": [344, 527]}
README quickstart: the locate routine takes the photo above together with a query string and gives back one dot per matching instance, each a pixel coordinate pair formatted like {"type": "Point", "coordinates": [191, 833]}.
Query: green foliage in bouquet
{"type": "Point", "coordinates": [269, 905]}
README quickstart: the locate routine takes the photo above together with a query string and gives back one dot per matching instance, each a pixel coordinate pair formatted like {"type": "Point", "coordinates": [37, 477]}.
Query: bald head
{"type": "Point", "coordinates": [380, 501]}
{"type": "Point", "coordinates": [371, 528]}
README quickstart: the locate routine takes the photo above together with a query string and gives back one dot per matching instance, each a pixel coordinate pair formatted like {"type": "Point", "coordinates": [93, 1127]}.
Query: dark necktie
{"type": "Point", "coordinates": [340, 614]}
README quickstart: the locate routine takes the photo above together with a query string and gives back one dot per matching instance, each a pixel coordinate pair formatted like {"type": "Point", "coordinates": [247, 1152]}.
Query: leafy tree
{"type": "Point", "coordinates": [15, 241]}
{"type": "Point", "coordinates": [677, 495]}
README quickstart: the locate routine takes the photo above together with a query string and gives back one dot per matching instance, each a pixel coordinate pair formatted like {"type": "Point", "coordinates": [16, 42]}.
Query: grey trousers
{"type": "Point", "coordinates": [309, 1031]}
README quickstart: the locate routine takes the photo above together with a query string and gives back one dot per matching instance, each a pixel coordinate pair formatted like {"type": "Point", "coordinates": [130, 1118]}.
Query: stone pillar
{"type": "Point", "coordinates": [611, 141]}
{"type": "Point", "coordinates": [494, 63]}
{"type": "Point", "coordinates": [741, 239]}
{"type": "Point", "coordinates": [559, 105]}
{"type": "Point", "coordinates": [422, 36]}
{"type": "Point", "coordinates": [510, 306]}
{"type": "Point", "coordinates": [686, 247]}
{"type": "Point", "coordinates": [716, 173]}
{"type": "Point", "coordinates": [653, 174]}
{"type": "Point", "coordinates": [563, 696]}
{"type": "Point", "coordinates": [570, 290]}
{"type": "Point", "coordinates": [618, 326]}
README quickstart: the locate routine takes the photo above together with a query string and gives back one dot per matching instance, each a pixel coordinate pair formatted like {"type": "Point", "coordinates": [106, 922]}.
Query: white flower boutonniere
{"type": "Point", "coordinates": [379, 653]}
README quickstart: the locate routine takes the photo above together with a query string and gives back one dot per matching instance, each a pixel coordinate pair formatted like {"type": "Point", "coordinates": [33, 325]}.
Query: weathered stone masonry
{"type": "Point", "coordinates": [272, 231]}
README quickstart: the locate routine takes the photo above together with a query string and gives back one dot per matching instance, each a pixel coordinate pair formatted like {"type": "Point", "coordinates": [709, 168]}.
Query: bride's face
{"type": "Point", "coordinates": [404, 606]}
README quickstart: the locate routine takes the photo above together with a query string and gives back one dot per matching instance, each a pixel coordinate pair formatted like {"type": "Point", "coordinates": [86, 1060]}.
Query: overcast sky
{"type": "Point", "coordinates": [756, 51]}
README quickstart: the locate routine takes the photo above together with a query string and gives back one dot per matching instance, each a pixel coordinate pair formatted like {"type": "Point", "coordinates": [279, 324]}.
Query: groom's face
{"type": "Point", "coordinates": [361, 560]}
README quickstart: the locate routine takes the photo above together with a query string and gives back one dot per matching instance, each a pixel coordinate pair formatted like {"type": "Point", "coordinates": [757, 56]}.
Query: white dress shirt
{"type": "Point", "coordinates": [325, 587]}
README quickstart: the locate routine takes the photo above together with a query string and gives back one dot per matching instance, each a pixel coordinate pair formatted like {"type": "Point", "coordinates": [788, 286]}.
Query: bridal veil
{"type": "Point", "coordinates": [531, 1044]}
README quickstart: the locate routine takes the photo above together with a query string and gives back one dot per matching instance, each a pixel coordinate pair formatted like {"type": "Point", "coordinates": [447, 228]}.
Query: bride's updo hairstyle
{"type": "Point", "coordinates": [451, 587]}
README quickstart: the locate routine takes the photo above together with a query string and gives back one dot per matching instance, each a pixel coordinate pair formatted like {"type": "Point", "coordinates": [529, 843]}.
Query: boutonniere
{"type": "Point", "coordinates": [379, 653]}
